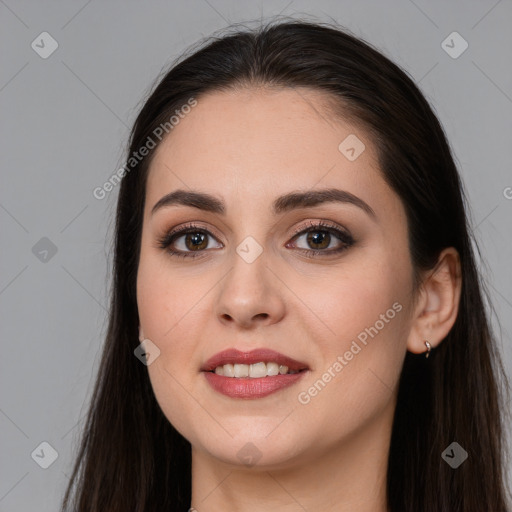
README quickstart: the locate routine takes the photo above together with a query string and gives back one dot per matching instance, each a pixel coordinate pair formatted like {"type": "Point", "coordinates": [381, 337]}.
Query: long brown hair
{"type": "Point", "coordinates": [132, 459]}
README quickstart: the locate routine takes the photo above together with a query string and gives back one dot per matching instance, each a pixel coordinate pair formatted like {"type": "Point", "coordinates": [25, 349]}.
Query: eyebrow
{"type": "Point", "coordinates": [283, 204]}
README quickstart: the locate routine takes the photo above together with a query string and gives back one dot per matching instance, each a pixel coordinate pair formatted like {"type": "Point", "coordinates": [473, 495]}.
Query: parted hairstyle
{"type": "Point", "coordinates": [131, 459]}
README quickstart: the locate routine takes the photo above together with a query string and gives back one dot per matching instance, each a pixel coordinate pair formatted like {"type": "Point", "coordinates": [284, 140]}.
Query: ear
{"type": "Point", "coordinates": [438, 303]}
{"type": "Point", "coordinates": [141, 334]}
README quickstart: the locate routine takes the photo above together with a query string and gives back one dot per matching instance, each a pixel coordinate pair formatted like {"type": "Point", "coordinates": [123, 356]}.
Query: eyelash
{"type": "Point", "coordinates": [165, 241]}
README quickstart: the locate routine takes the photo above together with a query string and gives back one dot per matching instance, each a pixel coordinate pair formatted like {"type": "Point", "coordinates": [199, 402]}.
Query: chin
{"type": "Point", "coordinates": [252, 443]}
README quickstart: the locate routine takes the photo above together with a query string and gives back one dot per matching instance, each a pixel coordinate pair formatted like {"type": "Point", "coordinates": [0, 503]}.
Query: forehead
{"type": "Point", "coordinates": [252, 144]}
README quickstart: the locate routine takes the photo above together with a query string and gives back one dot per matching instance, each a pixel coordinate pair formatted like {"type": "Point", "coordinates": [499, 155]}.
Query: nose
{"type": "Point", "coordinates": [250, 295]}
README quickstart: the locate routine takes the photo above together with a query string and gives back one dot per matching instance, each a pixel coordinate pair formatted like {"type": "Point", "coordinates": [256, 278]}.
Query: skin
{"type": "Point", "coordinates": [248, 147]}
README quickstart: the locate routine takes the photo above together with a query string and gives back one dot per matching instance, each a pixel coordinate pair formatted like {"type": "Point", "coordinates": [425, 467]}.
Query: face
{"type": "Point", "coordinates": [327, 283]}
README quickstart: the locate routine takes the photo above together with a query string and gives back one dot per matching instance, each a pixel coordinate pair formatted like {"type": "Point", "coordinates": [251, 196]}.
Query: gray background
{"type": "Point", "coordinates": [65, 120]}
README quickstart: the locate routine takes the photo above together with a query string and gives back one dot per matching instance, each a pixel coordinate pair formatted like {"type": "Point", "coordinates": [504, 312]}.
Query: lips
{"type": "Point", "coordinates": [234, 356]}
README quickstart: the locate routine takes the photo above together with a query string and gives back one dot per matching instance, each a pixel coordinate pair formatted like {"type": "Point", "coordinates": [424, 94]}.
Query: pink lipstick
{"type": "Point", "coordinates": [253, 374]}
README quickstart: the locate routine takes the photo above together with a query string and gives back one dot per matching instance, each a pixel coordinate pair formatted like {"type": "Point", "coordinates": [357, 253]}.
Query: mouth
{"type": "Point", "coordinates": [254, 374]}
{"type": "Point", "coordinates": [256, 363]}
{"type": "Point", "coordinates": [254, 371]}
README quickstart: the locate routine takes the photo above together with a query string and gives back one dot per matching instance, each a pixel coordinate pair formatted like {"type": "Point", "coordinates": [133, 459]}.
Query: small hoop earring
{"type": "Point", "coordinates": [429, 348]}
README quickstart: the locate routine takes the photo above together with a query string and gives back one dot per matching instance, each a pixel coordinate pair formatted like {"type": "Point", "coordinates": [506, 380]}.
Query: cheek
{"type": "Point", "coordinates": [357, 297]}
{"type": "Point", "coordinates": [362, 350]}
{"type": "Point", "coordinates": [163, 298]}
{"type": "Point", "coordinates": [172, 307]}
{"type": "Point", "coordinates": [163, 305]}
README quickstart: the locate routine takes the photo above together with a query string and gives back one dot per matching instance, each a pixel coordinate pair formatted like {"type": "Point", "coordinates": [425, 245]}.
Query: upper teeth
{"type": "Point", "coordinates": [255, 370]}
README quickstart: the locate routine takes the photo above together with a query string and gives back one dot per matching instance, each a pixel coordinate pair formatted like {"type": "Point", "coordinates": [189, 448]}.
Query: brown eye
{"type": "Point", "coordinates": [186, 241]}
{"type": "Point", "coordinates": [318, 239]}
{"type": "Point", "coordinates": [196, 241]}
{"type": "Point", "coordinates": [320, 236]}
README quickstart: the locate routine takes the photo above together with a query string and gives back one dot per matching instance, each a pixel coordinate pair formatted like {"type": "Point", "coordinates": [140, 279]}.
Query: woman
{"type": "Point", "coordinates": [297, 321]}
